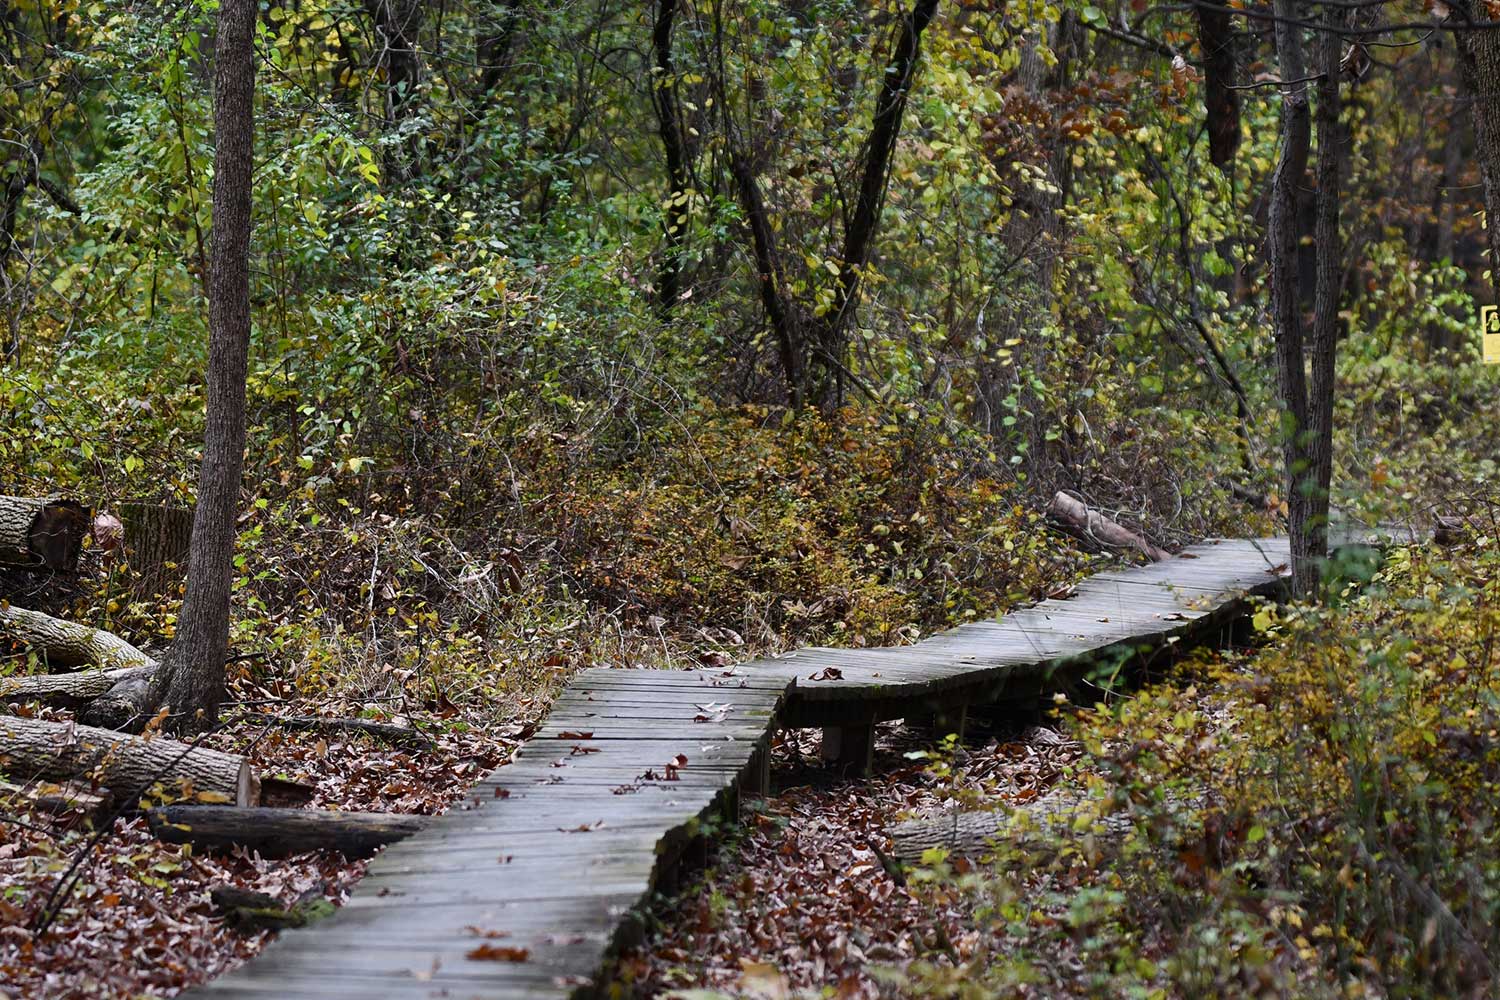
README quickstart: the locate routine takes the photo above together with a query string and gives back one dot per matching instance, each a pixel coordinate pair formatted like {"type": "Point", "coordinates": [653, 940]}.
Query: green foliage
{"type": "Point", "coordinates": [1281, 821]}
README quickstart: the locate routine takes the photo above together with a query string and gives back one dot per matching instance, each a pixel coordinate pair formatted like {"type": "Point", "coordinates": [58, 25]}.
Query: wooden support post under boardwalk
{"type": "Point", "coordinates": [850, 748]}
{"type": "Point", "coordinates": [757, 781]}
{"type": "Point", "coordinates": [953, 719]}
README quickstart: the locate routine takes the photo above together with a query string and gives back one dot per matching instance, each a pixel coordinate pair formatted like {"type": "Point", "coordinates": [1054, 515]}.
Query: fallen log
{"type": "Point", "coordinates": [279, 832]}
{"type": "Point", "coordinates": [62, 751]}
{"type": "Point", "coordinates": [69, 690]}
{"type": "Point", "coordinates": [1095, 527]}
{"type": "Point", "coordinates": [44, 532]}
{"type": "Point", "coordinates": [400, 735]}
{"type": "Point", "coordinates": [966, 834]}
{"type": "Point", "coordinates": [57, 799]}
{"type": "Point", "coordinates": [65, 645]}
{"type": "Point", "coordinates": [127, 705]}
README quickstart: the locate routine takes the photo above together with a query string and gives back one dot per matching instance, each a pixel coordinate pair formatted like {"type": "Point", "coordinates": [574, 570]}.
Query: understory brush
{"type": "Point", "coordinates": [1317, 818]}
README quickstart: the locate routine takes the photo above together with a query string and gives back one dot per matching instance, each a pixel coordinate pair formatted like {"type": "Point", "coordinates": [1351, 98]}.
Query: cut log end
{"type": "Point", "coordinates": [46, 533]}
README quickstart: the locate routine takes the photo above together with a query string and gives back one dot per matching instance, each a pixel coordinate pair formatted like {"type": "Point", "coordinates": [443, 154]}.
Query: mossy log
{"type": "Point", "coordinates": [279, 832]}
{"type": "Point", "coordinates": [65, 645]}
{"type": "Point", "coordinates": [62, 751]}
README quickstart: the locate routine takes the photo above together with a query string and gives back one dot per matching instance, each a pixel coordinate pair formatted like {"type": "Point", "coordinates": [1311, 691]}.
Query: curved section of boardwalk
{"type": "Point", "coordinates": [524, 889]}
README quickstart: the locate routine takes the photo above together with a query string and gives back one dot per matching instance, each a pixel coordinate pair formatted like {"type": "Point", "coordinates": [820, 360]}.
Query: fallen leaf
{"type": "Point", "coordinates": [498, 953]}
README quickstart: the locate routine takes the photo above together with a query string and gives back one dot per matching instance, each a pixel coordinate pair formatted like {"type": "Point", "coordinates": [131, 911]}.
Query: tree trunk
{"type": "Point", "coordinates": [191, 678]}
{"type": "Point", "coordinates": [864, 221]}
{"type": "Point", "coordinates": [669, 127]}
{"type": "Point", "coordinates": [1479, 62]}
{"type": "Point", "coordinates": [279, 832]}
{"type": "Point", "coordinates": [1221, 102]}
{"type": "Point", "coordinates": [129, 765]}
{"type": "Point", "coordinates": [42, 532]}
{"type": "Point", "coordinates": [66, 645]}
{"type": "Point", "coordinates": [1286, 307]}
{"type": "Point", "coordinates": [1328, 289]}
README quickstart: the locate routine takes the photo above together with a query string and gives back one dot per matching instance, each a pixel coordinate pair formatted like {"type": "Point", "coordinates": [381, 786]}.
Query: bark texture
{"type": "Point", "coordinates": [158, 539]}
{"type": "Point", "coordinates": [1221, 101]}
{"type": "Point", "coordinates": [1286, 307]}
{"type": "Point", "coordinates": [1479, 62]}
{"type": "Point", "coordinates": [279, 832]}
{"type": "Point", "coordinates": [61, 751]}
{"type": "Point", "coordinates": [191, 678]}
{"type": "Point", "coordinates": [44, 532]}
{"type": "Point", "coordinates": [65, 645]}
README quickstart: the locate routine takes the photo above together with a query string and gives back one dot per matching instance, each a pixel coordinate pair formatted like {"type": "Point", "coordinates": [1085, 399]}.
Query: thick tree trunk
{"type": "Point", "coordinates": [1221, 102]}
{"type": "Point", "coordinates": [191, 678]}
{"type": "Point", "coordinates": [129, 765]}
{"type": "Point", "coordinates": [1094, 526]}
{"type": "Point", "coordinates": [279, 832]}
{"type": "Point", "coordinates": [1479, 61]}
{"type": "Point", "coordinates": [46, 533]}
{"type": "Point", "coordinates": [65, 645]}
{"type": "Point", "coordinates": [1286, 306]}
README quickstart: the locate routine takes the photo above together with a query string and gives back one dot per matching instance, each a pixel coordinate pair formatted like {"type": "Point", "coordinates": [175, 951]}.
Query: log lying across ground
{"type": "Point", "coordinates": [1094, 526]}
{"type": "Point", "coordinates": [60, 799]}
{"type": "Point", "coordinates": [279, 832]}
{"type": "Point", "coordinates": [71, 690]}
{"type": "Point", "coordinates": [61, 751]}
{"type": "Point", "coordinates": [66, 645]}
{"type": "Point", "coordinates": [967, 834]}
{"type": "Point", "coordinates": [973, 834]}
{"type": "Point", "coordinates": [117, 695]}
{"type": "Point", "coordinates": [385, 731]}
{"type": "Point", "coordinates": [45, 532]}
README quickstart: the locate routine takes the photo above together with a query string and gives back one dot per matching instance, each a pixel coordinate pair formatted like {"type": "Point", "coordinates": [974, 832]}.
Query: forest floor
{"type": "Point", "coordinates": [139, 922]}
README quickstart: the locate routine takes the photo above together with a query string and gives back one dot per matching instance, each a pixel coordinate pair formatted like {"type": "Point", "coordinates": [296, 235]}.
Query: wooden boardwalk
{"type": "Point", "coordinates": [526, 888]}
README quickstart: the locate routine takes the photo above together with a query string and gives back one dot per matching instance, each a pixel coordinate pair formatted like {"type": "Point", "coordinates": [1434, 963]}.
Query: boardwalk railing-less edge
{"type": "Point", "coordinates": [527, 887]}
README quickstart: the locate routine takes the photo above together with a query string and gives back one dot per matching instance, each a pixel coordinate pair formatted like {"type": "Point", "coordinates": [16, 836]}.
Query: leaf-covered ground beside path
{"type": "Point", "coordinates": [139, 922]}
{"type": "Point", "coordinates": [800, 902]}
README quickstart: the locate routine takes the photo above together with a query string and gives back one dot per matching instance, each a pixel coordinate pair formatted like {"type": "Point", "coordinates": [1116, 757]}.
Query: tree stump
{"type": "Point", "coordinates": [157, 539]}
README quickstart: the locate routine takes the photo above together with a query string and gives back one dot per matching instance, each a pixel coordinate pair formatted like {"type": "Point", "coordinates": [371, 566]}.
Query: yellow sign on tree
{"type": "Point", "coordinates": [1489, 319]}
